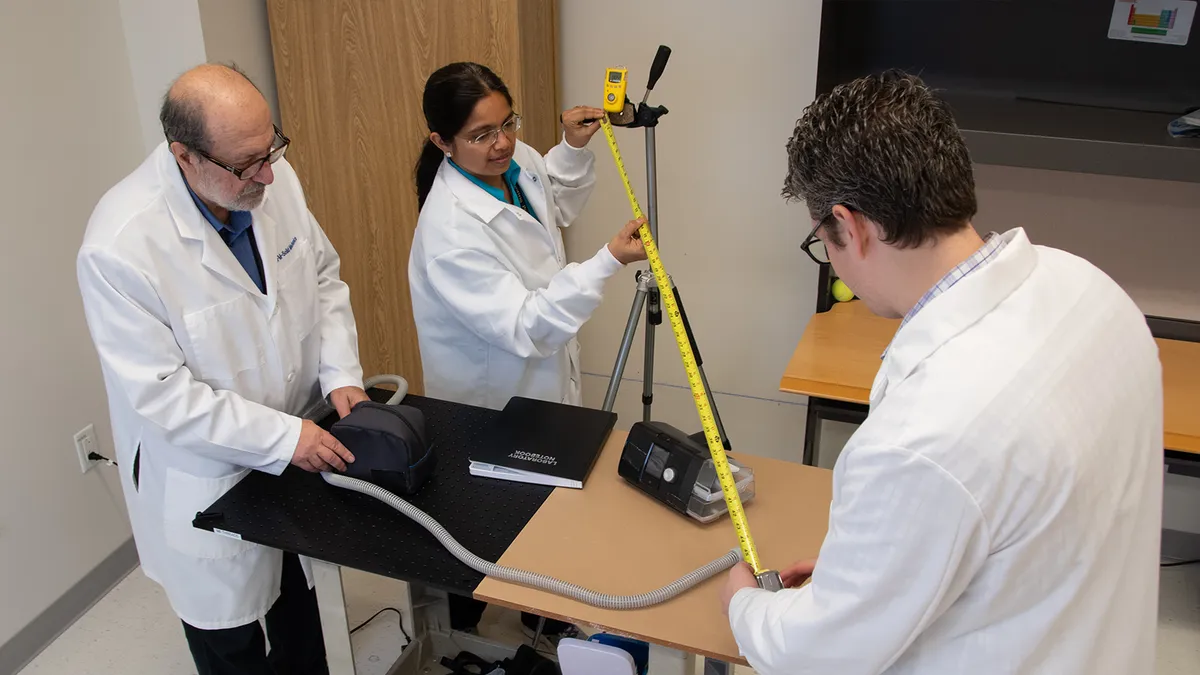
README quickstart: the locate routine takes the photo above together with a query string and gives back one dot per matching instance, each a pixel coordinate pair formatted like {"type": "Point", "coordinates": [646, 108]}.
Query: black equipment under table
{"type": "Point", "coordinates": [301, 513]}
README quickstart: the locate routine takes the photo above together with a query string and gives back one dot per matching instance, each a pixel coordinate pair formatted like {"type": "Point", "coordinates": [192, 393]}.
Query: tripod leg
{"type": "Point", "coordinates": [635, 315]}
{"type": "Point", "coordinates": [653, 318]}
{"type": "Point", "coordinates": [712, 401]}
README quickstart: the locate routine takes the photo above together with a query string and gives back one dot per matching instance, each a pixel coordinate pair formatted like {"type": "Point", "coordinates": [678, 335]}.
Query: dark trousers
{"type": "Point", "coordinates": [293, 626]}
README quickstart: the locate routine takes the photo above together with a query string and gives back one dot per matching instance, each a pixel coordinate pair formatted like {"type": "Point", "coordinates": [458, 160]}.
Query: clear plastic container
{"type": "Point", "coordinates": [707, 502]}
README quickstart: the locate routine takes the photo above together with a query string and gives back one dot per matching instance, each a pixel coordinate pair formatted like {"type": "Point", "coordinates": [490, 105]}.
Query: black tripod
{"type": "Point", "coordinates": [647, 117]}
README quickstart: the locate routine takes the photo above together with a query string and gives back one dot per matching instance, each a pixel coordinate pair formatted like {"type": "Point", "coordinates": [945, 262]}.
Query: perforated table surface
{"type": "Point", "coordinates": [300, 513]}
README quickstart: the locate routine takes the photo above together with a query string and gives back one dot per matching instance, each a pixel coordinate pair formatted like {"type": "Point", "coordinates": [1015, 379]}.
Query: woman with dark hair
{"type": "Point", "coordinates": [497, 306]}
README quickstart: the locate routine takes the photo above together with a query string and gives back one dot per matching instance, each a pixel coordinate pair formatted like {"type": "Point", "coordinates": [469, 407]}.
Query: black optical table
{"type": "Point", "coordinates": [300, 513]}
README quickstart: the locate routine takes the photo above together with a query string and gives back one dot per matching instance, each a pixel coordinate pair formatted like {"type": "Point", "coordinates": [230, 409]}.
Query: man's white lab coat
{"type": "Point", "coordinates": [496, 304]}
{"type": "Point", "coordinates": [204, 372]}
{"type": "Point", "coordinates": [999, 510]}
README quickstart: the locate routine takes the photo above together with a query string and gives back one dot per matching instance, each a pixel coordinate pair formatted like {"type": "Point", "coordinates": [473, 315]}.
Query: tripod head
{"type": "Point", "coordinates": [645, 115]}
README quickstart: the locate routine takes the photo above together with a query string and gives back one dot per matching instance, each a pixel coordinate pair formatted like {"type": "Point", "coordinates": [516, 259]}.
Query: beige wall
{"type": "Point", "coordinates": [69, 129]}
{"type": "Point", "coordinates": [162, 39]}
{"type": "Point", "coordinates": [82, 116]}
{"type": "Point", "coordinates": [735, 85]}
{"type": "Point", "coordinates": [238, 31]}
{"type": "Point", "coordinates": [1143, 233]}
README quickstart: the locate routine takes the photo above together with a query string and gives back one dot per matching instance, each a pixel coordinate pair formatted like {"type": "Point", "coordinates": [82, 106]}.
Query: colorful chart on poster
{"type": "Point", "coordinates": [1163, 21]}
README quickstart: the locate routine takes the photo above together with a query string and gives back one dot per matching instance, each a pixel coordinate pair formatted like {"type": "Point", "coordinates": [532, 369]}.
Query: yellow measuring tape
{"type": "Point", "coordinates": [707, 420]}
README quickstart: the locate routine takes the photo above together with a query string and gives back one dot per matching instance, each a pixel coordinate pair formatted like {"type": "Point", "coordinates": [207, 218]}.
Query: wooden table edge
{"type": "Point", "coordinates": [614, 630]}
{"type": "Point", "coordinates": [827, 390]}
{"type": "Point", "coordinates": [1182, 443]}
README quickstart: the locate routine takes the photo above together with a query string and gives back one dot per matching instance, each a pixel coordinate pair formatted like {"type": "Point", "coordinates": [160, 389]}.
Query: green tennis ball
{"type": "Point", "coordinates": [842, 292]}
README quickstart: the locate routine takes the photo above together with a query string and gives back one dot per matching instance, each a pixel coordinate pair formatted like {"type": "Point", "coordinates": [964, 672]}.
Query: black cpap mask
{"type": "Point", "coordinates": [390, 446]}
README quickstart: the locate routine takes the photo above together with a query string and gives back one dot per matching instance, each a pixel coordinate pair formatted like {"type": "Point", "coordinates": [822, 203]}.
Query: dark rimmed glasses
{"type": "Point", "coordinates": [814, 246]}
{"type": "Point", "coordinates": [251, 170]}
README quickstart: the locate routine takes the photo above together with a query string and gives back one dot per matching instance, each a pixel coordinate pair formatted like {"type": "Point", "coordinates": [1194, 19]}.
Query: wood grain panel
{"type": "Point", "coordinates": [539, 84]}
{"type": "Point", "coordinates": [350, 75]}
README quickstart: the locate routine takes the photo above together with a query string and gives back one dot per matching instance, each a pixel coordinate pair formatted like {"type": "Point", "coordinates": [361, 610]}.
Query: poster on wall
{"type": "Point", "coordinates": [1166, 22]}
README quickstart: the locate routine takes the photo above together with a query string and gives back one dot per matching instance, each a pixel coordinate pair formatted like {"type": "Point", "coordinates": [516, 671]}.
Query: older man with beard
{"type": "Point", "coordinates": [216, 307]}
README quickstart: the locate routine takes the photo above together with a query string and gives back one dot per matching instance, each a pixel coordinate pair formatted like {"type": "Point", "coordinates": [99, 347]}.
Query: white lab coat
{"type": "Point", "coordinates": [496, 304]}
{"type": "Point", "coordinates": [999, 510]}
{"type": "Point", "coordinates": [204, 372]}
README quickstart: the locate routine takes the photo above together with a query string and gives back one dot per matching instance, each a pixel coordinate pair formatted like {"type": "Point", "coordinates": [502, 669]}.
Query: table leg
{"type": "Point", "coordinates": [716, 667]}
{"type": "Point", "coordinates": [820, 409]}
{"type": "Point", "coordinates": [812, 432]}
{"type": "Point", "coordinates": [667, 661]}
{"type": "Point", "coordinates": [331, 601]}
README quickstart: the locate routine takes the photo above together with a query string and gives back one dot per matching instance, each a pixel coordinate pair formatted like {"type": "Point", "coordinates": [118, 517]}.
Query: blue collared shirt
{"type": "Point", "coordinates": [992, 245]}
{"type": "Point", "coordinates": [238, 236]}
{"type": "Point", "coordinates": [510, 178]}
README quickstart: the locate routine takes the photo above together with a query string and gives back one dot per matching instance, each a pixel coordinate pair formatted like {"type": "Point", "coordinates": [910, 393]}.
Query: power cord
{"type": "Point", "coordinates": [399, 617]}
{"type": "Point", "coordinates": [97, 457]}
{"type": "Point", "coordinates": [1180, 563]}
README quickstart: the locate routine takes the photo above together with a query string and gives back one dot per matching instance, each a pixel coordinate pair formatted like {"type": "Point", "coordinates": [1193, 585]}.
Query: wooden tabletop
{"type": "Point", "coordinates": [611, 538]}
{"type": "Point", "coordinates": [1181, 394]}
{"type": "Point", "coordinates": [838, 356]}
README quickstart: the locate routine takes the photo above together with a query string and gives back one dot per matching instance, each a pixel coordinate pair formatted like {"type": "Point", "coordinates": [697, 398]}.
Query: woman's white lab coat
{"type": "Point", "coordinates": [204, 372]}
{"type": "Point", "coordinates": [999, 510]}
{"type": "Point", "coordinates": [496, 304]}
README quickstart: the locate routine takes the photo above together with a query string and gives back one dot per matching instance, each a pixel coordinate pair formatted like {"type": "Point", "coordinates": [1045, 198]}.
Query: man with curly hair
{"type": "Point", "coordinates": [999, 511]}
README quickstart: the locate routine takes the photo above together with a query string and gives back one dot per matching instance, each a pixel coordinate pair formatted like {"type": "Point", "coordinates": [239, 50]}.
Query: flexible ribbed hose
{"type": "Point", "coordinates": [525, 578]}
{"type": "Point", "coordinates": [400, 383]}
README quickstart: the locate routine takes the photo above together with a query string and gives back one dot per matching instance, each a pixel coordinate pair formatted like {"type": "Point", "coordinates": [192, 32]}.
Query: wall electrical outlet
{"type": "Point", "coordinates": [85, 444]}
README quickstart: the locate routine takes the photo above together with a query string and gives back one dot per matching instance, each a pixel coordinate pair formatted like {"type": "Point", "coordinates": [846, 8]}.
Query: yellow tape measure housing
{"type": "Point", "coordinates": [707, 420]}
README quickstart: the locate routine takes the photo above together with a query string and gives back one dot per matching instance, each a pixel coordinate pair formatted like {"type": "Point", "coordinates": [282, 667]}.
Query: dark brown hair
{"type": "Point", "coordinates": [887, 147]}
{"type": "Point", "coordinates": [450, 97]}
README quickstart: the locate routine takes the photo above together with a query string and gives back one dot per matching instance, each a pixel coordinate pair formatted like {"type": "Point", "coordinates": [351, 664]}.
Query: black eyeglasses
{"type": "Point", "coordinates": [251, 170]}
{"type": "Point", "coordinates": [814, 246]}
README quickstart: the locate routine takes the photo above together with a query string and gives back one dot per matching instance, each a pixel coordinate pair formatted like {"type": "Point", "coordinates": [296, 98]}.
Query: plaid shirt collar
{"type": "Point", "coordinates": [992, 245]}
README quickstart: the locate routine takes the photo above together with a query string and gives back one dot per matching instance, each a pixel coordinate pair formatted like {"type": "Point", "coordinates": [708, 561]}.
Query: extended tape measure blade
{"type": "Point", "coordinates": [699, 395]}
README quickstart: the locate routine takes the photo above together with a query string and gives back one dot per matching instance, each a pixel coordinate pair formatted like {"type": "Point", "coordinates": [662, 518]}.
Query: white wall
{"type": "Point", "coordinates": [736, 83]}
{"type": "Point", "coordinates": [163, 39]}
{"type": "Point", "coordinates": [238, 31]}
{"type": "Point", "coordinates": [77, 118]}
{"type": "Point", "coordinates": [69, 129]}
{"type": "Point", "coordinates": [1143, 233]}
{"type": "Point", "coordinates": [166, 37]}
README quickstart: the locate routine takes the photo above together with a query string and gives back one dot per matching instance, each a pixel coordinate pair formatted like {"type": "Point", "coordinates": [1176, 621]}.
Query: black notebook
{"type": "Point", "coordinates": [542, 442]}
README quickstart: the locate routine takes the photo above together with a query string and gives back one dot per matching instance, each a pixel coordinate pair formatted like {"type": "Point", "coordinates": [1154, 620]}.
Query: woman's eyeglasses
{"type": "Point", "coordinates": [489, 138]}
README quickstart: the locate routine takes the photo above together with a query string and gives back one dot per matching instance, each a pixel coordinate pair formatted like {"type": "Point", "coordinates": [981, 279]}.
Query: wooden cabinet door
{"type": "Point", "coordinates": [350, 75]}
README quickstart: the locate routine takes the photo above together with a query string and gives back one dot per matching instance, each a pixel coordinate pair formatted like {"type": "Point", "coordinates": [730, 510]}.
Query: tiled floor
{"type": "Point", "coordinates": [133, 632]}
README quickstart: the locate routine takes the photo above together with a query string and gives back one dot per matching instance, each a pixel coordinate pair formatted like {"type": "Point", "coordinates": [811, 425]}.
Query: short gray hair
{"type": "Point", "coordinates": [183, 122]}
